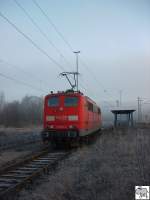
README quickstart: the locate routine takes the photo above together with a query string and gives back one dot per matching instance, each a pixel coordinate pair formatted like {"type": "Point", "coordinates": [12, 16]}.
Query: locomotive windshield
{"type": "Point", "coordinates": [53, 101]}
{"type": "Point", "coordinates": [71, 101]}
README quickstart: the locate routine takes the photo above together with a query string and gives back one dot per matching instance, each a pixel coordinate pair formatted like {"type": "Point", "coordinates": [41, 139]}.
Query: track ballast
{"type": "Point", "coordinates": [12, 181]}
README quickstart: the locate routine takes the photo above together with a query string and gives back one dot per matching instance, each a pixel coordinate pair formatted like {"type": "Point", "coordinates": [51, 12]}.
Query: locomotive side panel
{"type": "Point", "coordinates": [91, 117]}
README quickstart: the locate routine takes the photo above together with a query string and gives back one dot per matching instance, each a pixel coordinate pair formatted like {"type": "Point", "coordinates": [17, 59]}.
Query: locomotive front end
{"type": "Point", "coordinates": [61, 117]}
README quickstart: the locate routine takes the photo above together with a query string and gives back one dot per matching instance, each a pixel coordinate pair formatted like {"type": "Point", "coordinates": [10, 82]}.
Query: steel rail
{"type": "Point", "coordinates": [14, 179]}
{"type": "Point", "coordinates": [22, 160]}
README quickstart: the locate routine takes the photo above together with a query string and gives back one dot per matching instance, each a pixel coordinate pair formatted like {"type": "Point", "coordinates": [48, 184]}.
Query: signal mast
{"type": "Point", "coordinates": [74, 83]}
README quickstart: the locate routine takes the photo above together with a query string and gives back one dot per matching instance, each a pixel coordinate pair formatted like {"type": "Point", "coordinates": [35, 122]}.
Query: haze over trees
{"type": "Point", "coordinates": [22, 113]}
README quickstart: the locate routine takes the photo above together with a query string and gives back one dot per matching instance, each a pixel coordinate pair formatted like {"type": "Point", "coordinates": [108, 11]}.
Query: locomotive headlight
{"type": "Point", "coordinates": [73, 117]}
{"type": "Point", "coordinates": [50, 118]}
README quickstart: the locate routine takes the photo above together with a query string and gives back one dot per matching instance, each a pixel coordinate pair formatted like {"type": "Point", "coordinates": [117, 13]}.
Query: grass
{"type": "Point", "coordinates": [109, 169]}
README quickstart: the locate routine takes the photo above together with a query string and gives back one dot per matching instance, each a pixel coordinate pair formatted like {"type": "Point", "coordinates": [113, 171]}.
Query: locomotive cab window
{"type": "Point", "coordinates": [53, 101]}
{"type": "Point", "coordinates": [71, 101]}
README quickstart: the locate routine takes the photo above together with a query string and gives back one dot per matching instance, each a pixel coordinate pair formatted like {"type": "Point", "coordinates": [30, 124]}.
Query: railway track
{"type": "Point", "coordinates": [17, 177]}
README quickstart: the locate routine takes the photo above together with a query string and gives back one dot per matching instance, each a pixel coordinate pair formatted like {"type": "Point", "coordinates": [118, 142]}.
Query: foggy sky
{"type": "Point", "coordinates": [113, 37]}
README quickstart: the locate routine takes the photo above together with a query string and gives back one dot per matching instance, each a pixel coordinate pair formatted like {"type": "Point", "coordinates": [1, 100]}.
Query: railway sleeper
{"type": "Point", "coordinates": [14, 180]}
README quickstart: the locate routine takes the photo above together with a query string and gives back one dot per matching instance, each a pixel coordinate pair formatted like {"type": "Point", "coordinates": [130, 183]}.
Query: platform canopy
{"type": "Point", "coordinates": [122, 111]}
{"type": "Point", "coordinates": [128, 112]}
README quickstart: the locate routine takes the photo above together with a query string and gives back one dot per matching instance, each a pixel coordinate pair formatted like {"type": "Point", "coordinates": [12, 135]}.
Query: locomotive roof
{"type": "Point", "coordinates": [75, 93]}
{"type": "Point", "coordinates": [89, 99]}
{"type": "Point", "coordinates": [65, 93]}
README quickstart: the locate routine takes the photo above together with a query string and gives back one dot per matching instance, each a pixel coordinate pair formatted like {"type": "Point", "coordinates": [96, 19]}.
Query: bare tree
{"type": "Point", "coordinates": [2, 104]}
{"type": "Point", "coordinates": [25, 113]}
{"type": "Point", "coordinates": [2, 100]}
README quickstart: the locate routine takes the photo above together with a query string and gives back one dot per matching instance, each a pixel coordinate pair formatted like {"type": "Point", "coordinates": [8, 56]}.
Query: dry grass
{"type": "Point", "coordinates": [12, 137]}
{"type": "Point", "coordinates": [16, 143]}
{"type": "Point", "coordinates": [107, 170]}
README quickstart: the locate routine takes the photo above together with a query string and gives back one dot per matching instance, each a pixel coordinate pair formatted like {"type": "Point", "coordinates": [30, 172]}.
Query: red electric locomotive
{"type": "Point", "coordinates": [69, 116]}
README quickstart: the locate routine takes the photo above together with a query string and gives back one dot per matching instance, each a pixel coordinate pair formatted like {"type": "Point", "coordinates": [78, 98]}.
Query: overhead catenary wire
{"type": "Point", "coordinates": [91, 73]}
{"type": "Point", "coordinates": [41, 31]}
{"type": "Point", "coordinates": [56, 29]}
{"type": "Point", "coordinates": [92, 93]}
{"type": "Point", "coordinates": [95, 78]}
{"type": "Point", "coordinates": [21, 82]}
{"type": "Point", "coordinates": [23, 71]}
{"type": "Point", "coordinates": [53, 25]}
{"type": "Point", "coordinates": [68, 44]}
{"type": "Point", "coordinates": [31, 41]}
